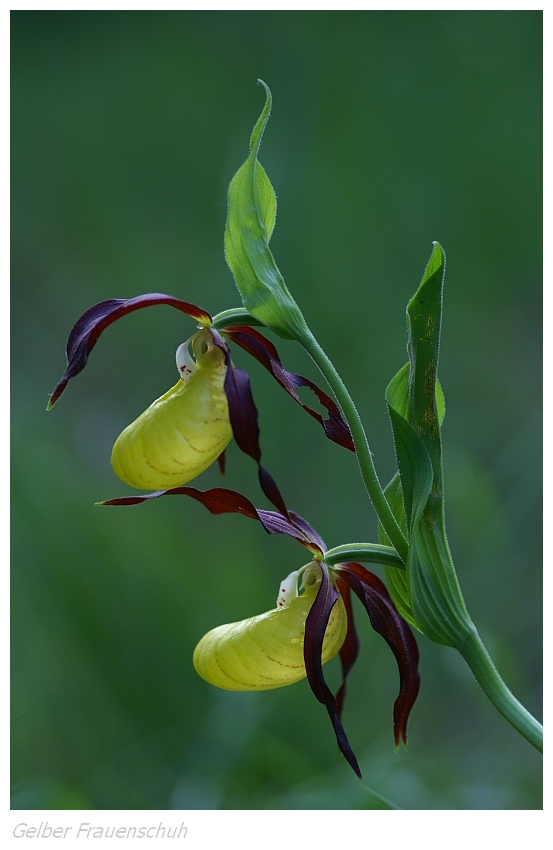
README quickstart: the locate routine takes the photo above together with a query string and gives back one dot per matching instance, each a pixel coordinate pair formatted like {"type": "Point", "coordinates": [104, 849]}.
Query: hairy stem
{"type": "Point", "coordinates": [372, 553]}
{"type": "Point", "coordinates": [364, 454]}
{"type": "Point", "coordinates": [476, 655]}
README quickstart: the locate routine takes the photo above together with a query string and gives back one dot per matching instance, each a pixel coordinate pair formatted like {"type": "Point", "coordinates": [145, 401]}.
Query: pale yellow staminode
{"type": "Point", "coordinates": [266, 651]}
{"type": "Point", "coordinates": [184, 431]}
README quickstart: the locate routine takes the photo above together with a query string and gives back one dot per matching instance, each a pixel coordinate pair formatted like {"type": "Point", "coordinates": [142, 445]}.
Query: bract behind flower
{"type": "Point", "coordinates": [266, 651]}
{"type": "Point", "coordinates": [182, 432]}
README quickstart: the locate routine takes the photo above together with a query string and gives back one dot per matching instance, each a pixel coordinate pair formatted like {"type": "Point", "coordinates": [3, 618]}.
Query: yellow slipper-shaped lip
{"type": "Point", "coordinates": [266, 651]}
{"type": "Point", "coordinates": [184, 431]}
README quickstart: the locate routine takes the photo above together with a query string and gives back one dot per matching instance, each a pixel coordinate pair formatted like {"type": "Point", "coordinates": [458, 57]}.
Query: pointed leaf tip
{"type": "Point", "coordinates": [259, 129]}
{"type": "Point", "coordinates": [250, 221]}
{"type": "Point", "coordinates": [437, 260]}
{"type": "Point", "coordinates": [262, 83]}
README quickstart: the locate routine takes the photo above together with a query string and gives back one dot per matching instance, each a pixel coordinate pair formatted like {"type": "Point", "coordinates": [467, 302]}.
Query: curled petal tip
{"type": "Point", "coordinates": [88, 328]}
{"type": "Point", "coordinates": [265, 353]}
{"type": "Point", "coordinates": [400, 741]}
{"type": "Point", "coordinates": [57, 391]}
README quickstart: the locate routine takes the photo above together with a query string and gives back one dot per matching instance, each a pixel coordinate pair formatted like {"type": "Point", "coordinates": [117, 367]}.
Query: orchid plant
{"type": "Point", "coordinates": [188, 428]}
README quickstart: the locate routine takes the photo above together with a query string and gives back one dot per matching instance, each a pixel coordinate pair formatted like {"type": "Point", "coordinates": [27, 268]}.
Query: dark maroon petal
{"type": "Point", "coordinates": [275, 523]}
{"type": "Point", "coordinates": [386, 620]}
{"type": "Point", "coordinates": [269, 487]}
{"type": "Point", "coordinates": [217, 501]}
{"type": "Point", "coordinates": [315, 627]}
{"type": "Point", "coordinates": [264, 351]}
{"type": "Point", "coordinates": [88, 328]}
{"type": "Point", "coordinates": [350, 647]}
{"type": "Point", "coordinates": [223, 501]}
{"type": "Point", "coordinates": [243, 420]}
{"type": "Point", "coordinates": [242, 409]}
{"type": "Point", "coordinates": [308, 530]}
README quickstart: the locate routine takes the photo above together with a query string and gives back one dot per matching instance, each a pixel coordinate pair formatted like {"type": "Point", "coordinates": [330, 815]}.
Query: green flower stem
{"type": "Point", "coordinates": [372, 553]}
{"type": "Point", "coordinates": [236, 316]}
{"type": "Point", "coordinates": [476, 655]}
{"type": "Point", "coordinates": [349, 411]}
{"type": "Point", "coordinates": [364, 454]}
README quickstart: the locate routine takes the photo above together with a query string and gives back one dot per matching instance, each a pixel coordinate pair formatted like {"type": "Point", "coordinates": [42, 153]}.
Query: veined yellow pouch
{"type": "Point", "coordinates": [266, 651]}
{"type": "Point", "coordinates": [182, 432]}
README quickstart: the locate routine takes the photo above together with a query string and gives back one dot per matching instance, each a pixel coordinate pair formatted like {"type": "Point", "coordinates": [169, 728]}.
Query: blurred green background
{"type": "Point", "coordinates": [389, 130]}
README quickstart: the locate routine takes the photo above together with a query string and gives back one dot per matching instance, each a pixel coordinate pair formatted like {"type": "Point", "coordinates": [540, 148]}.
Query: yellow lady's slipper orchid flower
{"type": "Point", "coordinates": [303, 632]}
{"type": "Point", "coordinates": [188, 428]}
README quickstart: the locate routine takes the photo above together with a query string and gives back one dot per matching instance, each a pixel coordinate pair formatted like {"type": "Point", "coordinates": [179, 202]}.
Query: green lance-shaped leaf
{"type": "Point", "coordinates": [434, 594]}
{"type": "Point", "coordinates": [414, 464]}
{"type": "Point", "coordinates": [408, 491]}
{"type": "Point", "coordinates": [397, 580]}
{"type": "Point", "coordinates": [429, 592]}
{"type": "Point", "coordinates": [250, 222]}
{"type": "Point", "coordinates": [424, 319]}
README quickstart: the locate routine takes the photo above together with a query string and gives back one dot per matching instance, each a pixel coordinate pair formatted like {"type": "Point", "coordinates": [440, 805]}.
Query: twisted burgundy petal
{"type": "Point", "coordinates": [308, 530]}
{"type": "Point", "coordinates": [265, 352]}
{"type": "Point", "coordinates": [386, 620]}
{"type": "Point", "coordinates": [243, 420]}
{"type": "Point", "coordinates": [220, 500]}
{"type": "Point", "coordinates": [89, 326]}
{"type": "Point", "coordinates": [315, 627]}
{"type": "Point", "coordinates": [350, 647]}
